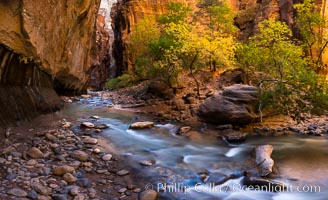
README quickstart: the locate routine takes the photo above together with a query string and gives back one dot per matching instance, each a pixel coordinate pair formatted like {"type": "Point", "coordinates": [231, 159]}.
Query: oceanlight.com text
{"type": "Point", "coordinates": [212, 188]}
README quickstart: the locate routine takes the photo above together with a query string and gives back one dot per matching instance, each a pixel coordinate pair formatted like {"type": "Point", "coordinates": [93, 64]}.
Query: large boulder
{"type": "Point", "coordinates": [236, 104]}
{"type": "Point", "coordinates": [263, 159]}
{"type": "Point", "coordinates": [160, 89]}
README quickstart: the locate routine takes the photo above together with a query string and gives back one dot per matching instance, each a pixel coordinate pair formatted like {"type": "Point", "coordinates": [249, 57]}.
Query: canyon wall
{"type": "Point", "coordinates": [45, 45]}
{"type": "Point", "coordinates": [104, 40]}
{"type": "Point", "coordinates": [127, 13]}
{"type": "Point", "coordinates": [101, 69]}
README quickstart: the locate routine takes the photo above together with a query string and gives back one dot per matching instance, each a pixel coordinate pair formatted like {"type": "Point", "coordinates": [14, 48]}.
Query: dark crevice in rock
{"type": "Point", "coordinates": [119, 24]}
{"type": "Point", "coordinates": [25, 90]}
{"type": "Point", "coordinates": [66, 84]}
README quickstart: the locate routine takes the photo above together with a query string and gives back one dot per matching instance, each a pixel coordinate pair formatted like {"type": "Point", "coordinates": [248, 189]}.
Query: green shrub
{"type": "Point", "coordinates": [122, 81]}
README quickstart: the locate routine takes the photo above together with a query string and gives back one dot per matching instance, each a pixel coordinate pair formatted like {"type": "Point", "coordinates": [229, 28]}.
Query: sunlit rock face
{"type": "Point", "coordinates": [44, 45]}
{"type": "Point", "coordinates": [127, 13]}
{"type": "Point", "coordinates": [59, 35]}
{"type": "Point", "coordinates": [251, 13]}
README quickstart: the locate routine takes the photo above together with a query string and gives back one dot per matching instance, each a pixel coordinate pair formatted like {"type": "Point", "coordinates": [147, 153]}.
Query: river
{"type": "Point", "coordinates": [302, 161]}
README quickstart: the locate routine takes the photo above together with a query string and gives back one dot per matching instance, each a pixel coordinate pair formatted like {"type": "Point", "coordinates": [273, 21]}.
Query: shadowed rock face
{"type": "Point", "coordinates": [25, 90]}
{"type": "Point", "coordinates": [100, 71]}
{"type": "Point", "coordinates": [44, 45]}
{"type": "Point", "coordinates": [236, 104]}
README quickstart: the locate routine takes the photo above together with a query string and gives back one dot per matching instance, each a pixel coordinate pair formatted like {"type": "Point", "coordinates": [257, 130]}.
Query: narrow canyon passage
{"type": "Point", "coordinates": [163, 100]}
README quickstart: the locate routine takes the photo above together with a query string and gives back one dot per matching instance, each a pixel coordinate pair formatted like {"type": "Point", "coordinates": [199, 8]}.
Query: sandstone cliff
{"type": "Point", "coordinates": [127, 13]}
{"type": "Point", "coordinates": [43, 45]}
{"type": "Point", "coordinates": [100, 71]}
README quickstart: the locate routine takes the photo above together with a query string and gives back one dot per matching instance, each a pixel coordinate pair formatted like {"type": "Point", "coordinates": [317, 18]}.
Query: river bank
{"type": "Point", "coordinates": [44, 159]}
{"type": "Point", "coordinates": [173, 158]}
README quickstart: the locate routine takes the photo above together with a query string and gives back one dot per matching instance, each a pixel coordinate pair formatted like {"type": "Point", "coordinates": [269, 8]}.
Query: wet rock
{"type": "Point", "coordinates": [122, 190]}
{"type": "Point", "coordinates": [85, 96]}
{"type": "Point", "coordinates": [17, 192]}
{"type": "Point", "coordinates": [60, 170]}
{"type": "Point", "coordinates": [95, 117]}
{"type": "Point", "coordinates": [92, 193]}
{"type": "Point", "coordinates": [101, 171]}
{"type": "Point", "coordinates": [311, 127]}
{"type": "Point", "coordinates": [16, 154]}
{"type": "Point", "coordinates": [107, 157]}
{"type": "Point", "coordinates": [141, 125]}
{"type": "Point", "coordinates": [75, 191]}
{"type": "Point", "coordinates": [80, 155]}
{"type": "Point", "coordinates": [32, 194]}
{"type": "Point", "coordinates": [87, 125]}
{"type": "Point", "coordinates": [101, 126]}
{"type": "Point", "coordinates": [98, 130]}
{"type": "Point", "coordinates": [136, 190]}
{"type": "Point", "coordinates": [67, 124]}
{"type": "Point", "coordinates": [57, 150]}
{"type": "Point", "coordinates": [66, 99]}
{"type": "Point", "coordinates": [2, 161]}
{"type": "Point", "coordinates": [83, 182]}
{"type": "Point", "coordinates": [69, 178]}
{"type": "Point", "coordinates": [294, 129]}
{"type": "Point", "coordinates": [44, 197]}
{"type": "Point", "coordinates": [224, 127]}
{"type": "Point", "coordinates": [31, 162]}
{"type": "Point", "coordinates": [217, 178]}
{"type": "Point", "coordinates": [80, 174]}
{"type": "Point", "coordinates": [236, 104]}
{"type": "Point", "coordinates": [40, 188]}
{"type": "Point", "coordinates": [54, 186]}
{"type": "Point", "coordinates": [123, 172]}
{"type": "Point", "coordinates": [10, 176]}
{"type": "Point", "coordinates": [146, 162]}
{"type": "Point", "coordinates": [90, 140]}
{"type": "Point", "coordinates": [263, 159]}
{"type": "Point", "coordinates": [79, 197]}
{"type": "Point", "coordinates": [50, 137]}
{"type": "Point", "coordinates": [87, 164]}
{"type": "Point", "coordinates": [148, 195]}
{"type": "Point", "coordinates": [59, 197]}
{"type": "Point", "coordinates": [233, 136]}
{"type": "Point", "coordinates": [96, 151]}
{"type": "Point", "coordinates": [35, 153]}
{"type": "Point", "coordinates": [184, 129]}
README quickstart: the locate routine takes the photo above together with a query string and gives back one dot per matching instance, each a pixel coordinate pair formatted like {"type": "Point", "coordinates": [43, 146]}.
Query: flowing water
{"type": "Point", "coordinates": [302, 161]}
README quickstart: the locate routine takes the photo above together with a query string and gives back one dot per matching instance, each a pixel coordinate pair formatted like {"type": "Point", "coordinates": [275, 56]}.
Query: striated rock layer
{"type": "Point", "coordinates": [44, 45]}
{"type": "Point", "coordinates": [100, 71]}
{"type": "Point", "coordinates": [236, 104]}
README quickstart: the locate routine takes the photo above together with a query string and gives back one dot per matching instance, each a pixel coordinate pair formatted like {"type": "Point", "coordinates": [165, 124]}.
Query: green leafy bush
{"type": "Point", "coordinates": [289, 83]}
{"type": "Point", "coordinates": [122, 81]}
